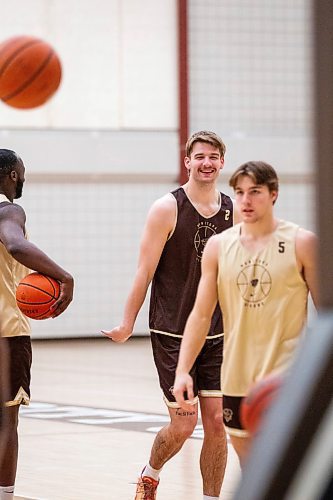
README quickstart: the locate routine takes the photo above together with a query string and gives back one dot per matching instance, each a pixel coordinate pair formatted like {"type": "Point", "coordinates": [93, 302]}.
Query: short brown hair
{"type": "Point", "coordinates": [260, 172]}
{"type": "Point", "coordinates": [205, 136]}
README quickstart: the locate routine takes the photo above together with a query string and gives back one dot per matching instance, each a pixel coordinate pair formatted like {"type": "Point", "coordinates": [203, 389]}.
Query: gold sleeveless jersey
{"type": "Point", "coordinates": [12, 322]}
{"type": "Point", "coordinates": [264, 302]}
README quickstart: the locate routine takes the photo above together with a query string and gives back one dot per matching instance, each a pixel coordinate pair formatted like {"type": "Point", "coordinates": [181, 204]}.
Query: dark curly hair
{"type": "Point", "coordinates": [8, 161]}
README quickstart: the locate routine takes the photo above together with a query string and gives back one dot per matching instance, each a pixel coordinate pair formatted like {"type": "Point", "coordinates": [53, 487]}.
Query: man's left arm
{"type": "Point", "coordinates": [306, 253]}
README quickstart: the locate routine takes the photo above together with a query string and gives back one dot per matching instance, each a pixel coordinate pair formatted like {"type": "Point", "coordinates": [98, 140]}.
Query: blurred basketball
{"type": "Point", "coordinates": [259, 399]}
{"type": "Point", "coordinates": [30, 72]}
{"type": "Point", "coordinates": [35, 294]}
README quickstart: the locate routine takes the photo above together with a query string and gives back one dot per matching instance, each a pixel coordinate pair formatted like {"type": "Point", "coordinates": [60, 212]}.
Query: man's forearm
{"type": "Point", "coordinates": [194, 338]}
{"type": "Point", "coordinates": [135, 301]}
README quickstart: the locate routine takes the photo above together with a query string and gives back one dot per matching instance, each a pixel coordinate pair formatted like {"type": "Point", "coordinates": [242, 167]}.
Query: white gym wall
{"type": "Point", "coordinates": [106, 145]}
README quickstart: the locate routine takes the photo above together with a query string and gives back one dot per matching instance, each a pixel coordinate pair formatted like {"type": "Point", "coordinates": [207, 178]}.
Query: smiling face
{"type": "Point", "coordinates": [205, 163]}
{"type": "Point", "coordinates": [254, 201]}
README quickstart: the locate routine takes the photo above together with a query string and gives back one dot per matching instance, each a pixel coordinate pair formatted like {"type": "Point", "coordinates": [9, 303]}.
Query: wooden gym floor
{"type": "Point", "coordinates": [95, 409]}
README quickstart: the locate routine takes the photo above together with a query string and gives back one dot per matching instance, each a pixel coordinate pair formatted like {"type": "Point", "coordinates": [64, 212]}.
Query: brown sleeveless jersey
{"type": "Point", "coordinates": [177, 276]}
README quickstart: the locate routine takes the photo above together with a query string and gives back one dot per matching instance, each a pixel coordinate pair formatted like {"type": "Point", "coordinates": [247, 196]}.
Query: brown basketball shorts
{"type": "Point", "coordinates": [231, 416]}
{"type": "Point", "coordinates": [206, 371]}
{"type": "Point", "coordinates": [19, 369]}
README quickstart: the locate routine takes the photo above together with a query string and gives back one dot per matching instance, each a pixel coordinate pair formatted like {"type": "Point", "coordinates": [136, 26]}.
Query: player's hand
{"type": "Point", "coordinates": [118, 334]}
{"type": "Point", "coordinates": [65, 297]}
{"type": "Point", "coordinates": [184, 384]}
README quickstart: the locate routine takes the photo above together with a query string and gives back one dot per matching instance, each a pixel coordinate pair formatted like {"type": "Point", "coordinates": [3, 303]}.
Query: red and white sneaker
{"type": "Point", "coordinates": [146, 488]}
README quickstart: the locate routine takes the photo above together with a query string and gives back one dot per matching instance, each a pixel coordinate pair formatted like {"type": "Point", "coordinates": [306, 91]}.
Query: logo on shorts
{"type": "Point", "coordinates": [171, 389]}
{"type": "Point", "coordinates": [227, 414]}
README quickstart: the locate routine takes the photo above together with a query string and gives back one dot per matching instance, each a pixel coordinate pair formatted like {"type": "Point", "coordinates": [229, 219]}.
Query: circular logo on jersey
{"type": "Point", "coordinates": [254, 283]}
{"type": "Point", "coordinates": [201, 237]}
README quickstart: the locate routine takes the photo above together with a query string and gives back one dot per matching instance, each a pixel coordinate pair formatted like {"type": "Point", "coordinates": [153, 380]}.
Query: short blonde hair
{"type": "Point", "coordinates": [205, 136]}
{"type": "Point", "coordinates": [260, 172]}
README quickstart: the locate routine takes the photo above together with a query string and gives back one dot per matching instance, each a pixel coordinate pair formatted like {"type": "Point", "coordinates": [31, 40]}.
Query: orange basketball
{"type": "Point", "coordinates": [260, 397]}
{"type": "Point", "coordinates": [30, 72]}
{"type": "Point", "coordinates": [35, 294]}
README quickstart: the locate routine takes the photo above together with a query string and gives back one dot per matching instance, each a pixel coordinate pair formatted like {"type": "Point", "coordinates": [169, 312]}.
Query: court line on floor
{"type": "Point", "coordinates": [101, 417]}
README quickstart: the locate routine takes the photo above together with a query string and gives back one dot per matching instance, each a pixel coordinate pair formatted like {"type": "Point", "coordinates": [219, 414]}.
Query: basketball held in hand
{"type": "Point", "coordinates": [35, 295]}
{"type": "Point", "coordinates": [30, 72]}
{"type": "Point", "coordinates": [259, 399]}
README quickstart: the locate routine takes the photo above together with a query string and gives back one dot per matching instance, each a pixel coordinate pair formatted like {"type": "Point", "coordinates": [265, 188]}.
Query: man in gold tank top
{"type": "Point", "coordinates": [17, 257]}
{"type": "Point", "coordinates": [261, 272]}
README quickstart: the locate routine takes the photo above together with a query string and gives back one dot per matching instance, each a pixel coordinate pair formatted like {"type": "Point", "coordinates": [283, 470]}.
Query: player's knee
{"type": "Point", "coordinates": [183, 428]}
{"type": "Point", "coordinates": [215, 424]}
{"type": "Point", "coordinates": [184, 432]}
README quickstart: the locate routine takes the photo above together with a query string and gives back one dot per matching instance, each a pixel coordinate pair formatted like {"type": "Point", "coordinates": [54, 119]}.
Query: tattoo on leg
{"type": "Point", "coordinates": [183, 413]}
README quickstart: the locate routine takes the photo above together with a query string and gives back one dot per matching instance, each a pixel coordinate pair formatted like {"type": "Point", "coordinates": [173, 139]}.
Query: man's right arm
{"type": "Point", "coordinates": [198, 322]}
{"type": "Point", "coordinates": [159, 224]}
{"type": "Point", "coordinates": [12, 223]}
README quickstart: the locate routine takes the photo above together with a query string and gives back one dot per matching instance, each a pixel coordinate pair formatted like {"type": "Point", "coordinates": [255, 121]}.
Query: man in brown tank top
{"type": "Point", "coordinates": [176, 230]}
{"type": "Point", "coordinates": [18, 256]}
